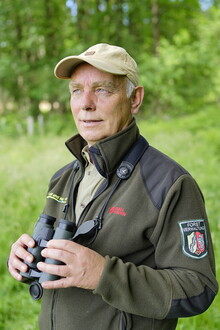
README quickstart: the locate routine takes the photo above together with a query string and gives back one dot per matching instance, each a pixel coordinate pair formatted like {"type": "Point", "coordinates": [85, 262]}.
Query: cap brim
{"type": "Point", "coordinates": [66, 66]}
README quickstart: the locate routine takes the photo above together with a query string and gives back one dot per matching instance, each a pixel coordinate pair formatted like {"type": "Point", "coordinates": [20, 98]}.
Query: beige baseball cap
{"type": "Point", "coordinates": [105, 57]}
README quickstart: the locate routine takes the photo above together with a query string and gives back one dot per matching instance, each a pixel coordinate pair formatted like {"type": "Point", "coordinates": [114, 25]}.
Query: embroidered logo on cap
{"type": "Point", "coordinates": [89, 53]}
{"type": "Point", "coordinates": [194, 238]}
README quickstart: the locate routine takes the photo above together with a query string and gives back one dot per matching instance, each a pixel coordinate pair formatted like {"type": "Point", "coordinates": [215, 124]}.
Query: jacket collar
{"type": "Point", "coordinates": [107, 153]}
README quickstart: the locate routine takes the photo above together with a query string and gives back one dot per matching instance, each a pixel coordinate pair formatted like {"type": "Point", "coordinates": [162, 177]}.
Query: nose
{"type": "Point", "coordinates": [87, 102]}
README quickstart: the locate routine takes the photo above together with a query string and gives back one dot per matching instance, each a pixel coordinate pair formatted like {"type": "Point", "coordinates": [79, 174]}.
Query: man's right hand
{"type": "Point", "coordinates": [18, 254]}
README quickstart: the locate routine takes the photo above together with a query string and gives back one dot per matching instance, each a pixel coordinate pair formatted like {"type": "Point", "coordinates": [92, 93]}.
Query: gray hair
{"type": "Point", "coordinates": [129, 87]}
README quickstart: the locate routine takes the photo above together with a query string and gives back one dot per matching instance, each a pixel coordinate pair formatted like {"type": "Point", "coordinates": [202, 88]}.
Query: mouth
{"type": "Point", "coordinates": [92, 122]}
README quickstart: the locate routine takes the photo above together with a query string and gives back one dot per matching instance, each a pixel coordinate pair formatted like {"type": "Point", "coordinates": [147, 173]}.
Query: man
{"type": "Point", "coordinates": [150, 260]}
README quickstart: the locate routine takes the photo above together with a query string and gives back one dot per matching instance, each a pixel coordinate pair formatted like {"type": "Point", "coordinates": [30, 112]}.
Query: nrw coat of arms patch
{"type": "Point", "coordinates": [194, 238]}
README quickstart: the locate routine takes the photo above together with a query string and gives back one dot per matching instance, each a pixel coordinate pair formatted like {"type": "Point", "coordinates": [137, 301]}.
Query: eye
{"type": "Point", "coordinates": [75, 91]}
{"type": "Point", "coordinates": [102, 90]}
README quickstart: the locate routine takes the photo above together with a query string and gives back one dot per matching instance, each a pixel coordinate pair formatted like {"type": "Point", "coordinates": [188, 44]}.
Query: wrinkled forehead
{"type": "Point", "coordinates": [86, 73]}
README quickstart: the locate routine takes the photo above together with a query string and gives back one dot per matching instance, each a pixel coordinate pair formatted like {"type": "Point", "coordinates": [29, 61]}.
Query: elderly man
{"type": "Point", "coordinates": [150, 259]}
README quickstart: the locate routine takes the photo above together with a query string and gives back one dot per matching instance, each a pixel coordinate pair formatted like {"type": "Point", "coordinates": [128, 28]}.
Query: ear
{"type": "Point", "coordinates": [136, 99]}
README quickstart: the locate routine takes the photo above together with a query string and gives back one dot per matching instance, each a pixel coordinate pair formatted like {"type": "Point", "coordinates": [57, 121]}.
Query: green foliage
{"type": "Point", "coordinates": [178, 54]}
{"type": "Point", "coordinates": [183, 78]}
{"type": "Point", "coordinates": [28, 163]}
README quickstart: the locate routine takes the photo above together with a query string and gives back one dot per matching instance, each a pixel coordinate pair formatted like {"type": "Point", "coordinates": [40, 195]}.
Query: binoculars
{"type": "Point", "coordinates": [43, 232]}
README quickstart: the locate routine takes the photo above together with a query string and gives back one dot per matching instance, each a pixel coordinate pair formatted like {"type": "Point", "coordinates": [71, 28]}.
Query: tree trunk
{"type": "Point", "coordinates": [155, 26]}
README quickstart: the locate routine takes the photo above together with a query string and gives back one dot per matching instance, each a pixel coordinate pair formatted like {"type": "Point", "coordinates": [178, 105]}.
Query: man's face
{"type": "Point", "coordinates": [99, 103]}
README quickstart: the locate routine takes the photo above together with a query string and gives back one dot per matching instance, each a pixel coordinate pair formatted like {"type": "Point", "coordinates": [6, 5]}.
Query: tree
{"type": "Point", "coordinates": [31, 41]}
{"type": "Point", "coordinates": [158, 33]}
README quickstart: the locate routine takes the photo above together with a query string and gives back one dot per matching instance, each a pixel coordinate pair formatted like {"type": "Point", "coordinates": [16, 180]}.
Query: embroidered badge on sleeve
{"type": "Point", "coordinates": [194, 238]}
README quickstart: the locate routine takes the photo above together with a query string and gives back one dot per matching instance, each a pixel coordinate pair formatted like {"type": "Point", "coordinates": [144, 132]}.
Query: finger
{"type": "Point", "coordinates": [18, 265]}
{"type": "Point", "coordinates": [15, 266]}
{"type": "Point", "coordinates": [53, 269]}
{"type": "Point", "coordinates": [57, 254]}
{"type": "Point", "coordinates": [14, 273]}
{"type": "Point", "coordinates": [58, 284]}
{"type": "Point", "coordinates": [19, 248]}
{"type": "Point", "coordinates": [21, 253]}
{"type": "Point", "coordinates": [26, 240]}
{"type": "Point", "coordinates": [18, 253]}
{"type": "Point", "coordinates": [64, 244]}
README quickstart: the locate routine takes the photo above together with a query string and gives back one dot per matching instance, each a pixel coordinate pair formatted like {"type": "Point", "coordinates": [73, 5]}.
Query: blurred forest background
{"type": "Point", "coordinates": [176, 44]}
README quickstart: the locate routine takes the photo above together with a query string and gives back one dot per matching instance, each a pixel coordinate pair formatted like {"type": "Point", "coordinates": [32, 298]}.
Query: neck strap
{"type": "Point", "coordinates": [90, 228]}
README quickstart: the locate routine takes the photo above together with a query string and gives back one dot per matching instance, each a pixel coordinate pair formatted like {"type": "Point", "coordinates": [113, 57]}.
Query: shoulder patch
{"type": "Point", "coordinates": [194, 238]}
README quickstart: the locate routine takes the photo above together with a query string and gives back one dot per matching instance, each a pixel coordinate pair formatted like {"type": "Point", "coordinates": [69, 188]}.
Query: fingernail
{"type": "Point", "coordinates": [29, 259]}
{"type": "Point", "coordinates": [42, 253]}
{"type": "Point", "coordinates": [23, 268]}
{"type": "Point", "coordinates": [19, 277]}
{"type": "Point", "coordinates": [30, 244]}
{"type": "Point", "coordinates": [39, 265]}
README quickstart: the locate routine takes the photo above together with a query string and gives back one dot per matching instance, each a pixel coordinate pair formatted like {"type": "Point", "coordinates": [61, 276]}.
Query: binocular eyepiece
{"type": "Point", "coordinates": [43, 232]}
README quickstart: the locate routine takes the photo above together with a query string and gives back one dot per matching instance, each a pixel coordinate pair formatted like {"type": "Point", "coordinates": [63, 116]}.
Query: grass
{"type": "Point", "coordinates": [25, 167]}
{"type": "Point", "coordinates": [27, 164]}
{"type": "Point", "coordinates": [194, 141]}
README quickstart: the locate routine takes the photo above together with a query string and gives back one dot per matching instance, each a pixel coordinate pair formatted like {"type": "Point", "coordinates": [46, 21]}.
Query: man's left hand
{"type": "Point", "coordinates": [82, 266]}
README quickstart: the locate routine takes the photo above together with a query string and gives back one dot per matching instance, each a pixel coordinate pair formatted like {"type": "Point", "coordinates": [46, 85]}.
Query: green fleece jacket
{"type": "Point", "coordinates": [155, 238]}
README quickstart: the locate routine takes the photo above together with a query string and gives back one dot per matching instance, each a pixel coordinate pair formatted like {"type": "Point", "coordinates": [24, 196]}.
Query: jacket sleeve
{"type": "Point", "coordinates": [183, 282]}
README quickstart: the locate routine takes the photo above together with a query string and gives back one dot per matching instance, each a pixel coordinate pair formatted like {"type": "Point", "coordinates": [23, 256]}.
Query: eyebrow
{"type": "Point", "coordinates": [103, 83]}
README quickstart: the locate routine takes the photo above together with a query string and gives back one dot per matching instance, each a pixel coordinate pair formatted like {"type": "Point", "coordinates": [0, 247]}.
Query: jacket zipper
{"type": "Point", "coordinates": [74, 190]}
{"type": "Point", "coordinates": [52, 309]}
{"type": "Point", "coordinates": [124, 323]}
